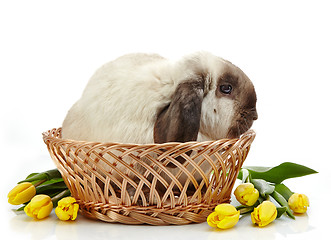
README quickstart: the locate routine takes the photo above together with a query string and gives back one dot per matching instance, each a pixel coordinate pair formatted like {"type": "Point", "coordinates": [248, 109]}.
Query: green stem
{"type": "Point", "coordinates": [282, 201]}
{"type": "Point", "coordinates": [247, 209]}
{"type": "Point", "coordinates": [58, 197]}
{"type": "Point", "coordinates": [40, 182]}
{"type": "Point", "coordinates": [261, 199]}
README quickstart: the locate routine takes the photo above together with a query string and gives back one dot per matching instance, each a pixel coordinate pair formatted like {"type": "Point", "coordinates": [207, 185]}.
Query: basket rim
{"type": "Point", "coordinates": [54, 135]}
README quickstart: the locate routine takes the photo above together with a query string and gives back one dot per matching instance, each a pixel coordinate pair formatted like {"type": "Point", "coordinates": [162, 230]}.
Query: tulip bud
{"type": "Point", "coordinates": [246, 194]}
{"type": "Point", "coordinates": [298, 203]}
{"type": "Point", "coordinates": [264, 214]}
{"type": "Point", "coordinates": [22, 193]}
{"type": "Point", "coordinates": [225, 216]}
{"type": "Point", "coordinates": [67, 209]}
{"type": "Point", "coordinates": [39, 207]}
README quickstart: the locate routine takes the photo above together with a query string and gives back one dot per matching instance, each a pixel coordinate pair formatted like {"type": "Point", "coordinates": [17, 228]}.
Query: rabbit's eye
{"type": "Point", "coordinates": [226, 89]}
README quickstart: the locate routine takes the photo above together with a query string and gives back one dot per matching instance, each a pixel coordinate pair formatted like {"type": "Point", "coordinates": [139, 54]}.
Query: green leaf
{"type": "Point", "coordinates": [31, 175]}
{"type": "Point", "coordinates": [283, 190]}
{"type": "Point", "coordinates": [282, 201]}
{"type": "Point", "coordinates": [279, 173]}
{"type": "Point", "coordinates": [47, 175]}
{"type": "Point", "coordinates": [263, 187]}
{"type": "Point", "coordinates": [280, 211]}
{"type": "Point", "coordinates": [21, 208]}
{"type": "Point", "coordinates": [54, 180]}
{"type": "Point", "coordinates": [51, 187]}
{"type": "Point", "coordinates": [240, 174]}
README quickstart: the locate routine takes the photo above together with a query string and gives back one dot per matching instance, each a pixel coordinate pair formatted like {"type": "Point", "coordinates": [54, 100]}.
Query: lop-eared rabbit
{"type": "Point", "coordinates": [145, 98]}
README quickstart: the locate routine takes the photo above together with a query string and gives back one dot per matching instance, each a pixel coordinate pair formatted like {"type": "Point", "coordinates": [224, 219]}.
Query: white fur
{"type": "Point", "coordinates": [210, 127]}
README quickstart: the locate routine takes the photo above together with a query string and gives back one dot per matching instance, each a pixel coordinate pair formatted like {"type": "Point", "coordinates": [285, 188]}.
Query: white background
{"type": "Point", "coordinates": [49, 50]}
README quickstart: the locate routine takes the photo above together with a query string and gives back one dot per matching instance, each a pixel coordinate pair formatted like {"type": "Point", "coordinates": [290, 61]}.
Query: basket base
{"type": "Point", "coordinates": [148, 215]}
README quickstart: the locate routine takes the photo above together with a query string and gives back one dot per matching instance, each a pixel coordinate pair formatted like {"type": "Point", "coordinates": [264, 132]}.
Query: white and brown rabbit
{"type": "Point", "coordinates": [145, 98]}
{"type": "Point", "coordinates": [142, 98]}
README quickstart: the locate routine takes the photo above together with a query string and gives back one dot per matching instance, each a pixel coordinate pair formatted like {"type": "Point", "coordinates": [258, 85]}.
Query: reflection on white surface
{"type": "Point", "coordinates": [83, 228]}
{"type": "Point", "coordinates": [300, 225]}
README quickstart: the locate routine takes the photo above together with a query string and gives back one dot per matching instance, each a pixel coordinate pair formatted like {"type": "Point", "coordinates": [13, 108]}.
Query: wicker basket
{"type": "Point", "coordinates": [108, 185]}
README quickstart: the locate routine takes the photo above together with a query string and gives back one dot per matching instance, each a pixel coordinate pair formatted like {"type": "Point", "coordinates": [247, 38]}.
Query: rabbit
{"type": "Point", "coordinates": [146, 98]}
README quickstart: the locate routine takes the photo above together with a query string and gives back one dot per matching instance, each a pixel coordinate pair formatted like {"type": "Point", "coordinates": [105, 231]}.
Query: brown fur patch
{"type": "Point", "coordinates": [180, 121]}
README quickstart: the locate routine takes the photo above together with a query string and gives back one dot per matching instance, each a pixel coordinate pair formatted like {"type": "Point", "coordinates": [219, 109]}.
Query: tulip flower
{"type": "Point", "coordinates": [264, 214]}
{"type": "Point", "coordinates": [246, 194]}
{"type": "Point", "coordinates": [22, 193]}
{"type": "Point", "coordinates": [225, 216]}
{"type": "Point", "coordinates": [298, 203]}
{"type": "Point", "coordinates": [39, 207]}
{"type": "Point", "coordinates": [67, 209]}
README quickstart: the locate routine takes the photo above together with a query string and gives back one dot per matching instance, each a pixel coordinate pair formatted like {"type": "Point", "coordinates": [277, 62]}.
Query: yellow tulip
{"type": "Point", "coordinates": [22, 193]}
{"type": "Point", "coordinates": [225, 216]}
{"type": "Point", "coordinates": [264, 214]}
{"type": "Point", "coordinates": [39, 207]}
{"type": "Point", "coordinates": [298, 203]}
{"type": "Point", "coordinates": [246, 194]}
{"type": "Point", "coordinates": [67, 209]}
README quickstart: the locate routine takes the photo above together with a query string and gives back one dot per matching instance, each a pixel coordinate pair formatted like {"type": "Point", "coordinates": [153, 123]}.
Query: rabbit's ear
{"type": "Point", "coordinates": [180, 120]}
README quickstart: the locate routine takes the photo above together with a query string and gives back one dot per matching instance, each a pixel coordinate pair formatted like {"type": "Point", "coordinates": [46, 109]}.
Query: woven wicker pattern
{"type": "Point", "coordinates": [131, 183]}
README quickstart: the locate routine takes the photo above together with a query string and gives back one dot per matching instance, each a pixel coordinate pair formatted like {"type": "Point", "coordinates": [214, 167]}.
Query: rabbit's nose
{"type": "Point", "coordinates": [255, 117]}
{"type": "Point", "coordinates": [254, 114]}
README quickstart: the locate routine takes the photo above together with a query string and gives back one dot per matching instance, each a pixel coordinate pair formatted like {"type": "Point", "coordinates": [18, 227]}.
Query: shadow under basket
{"type": "Point", "coordinates": [157, 184]}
